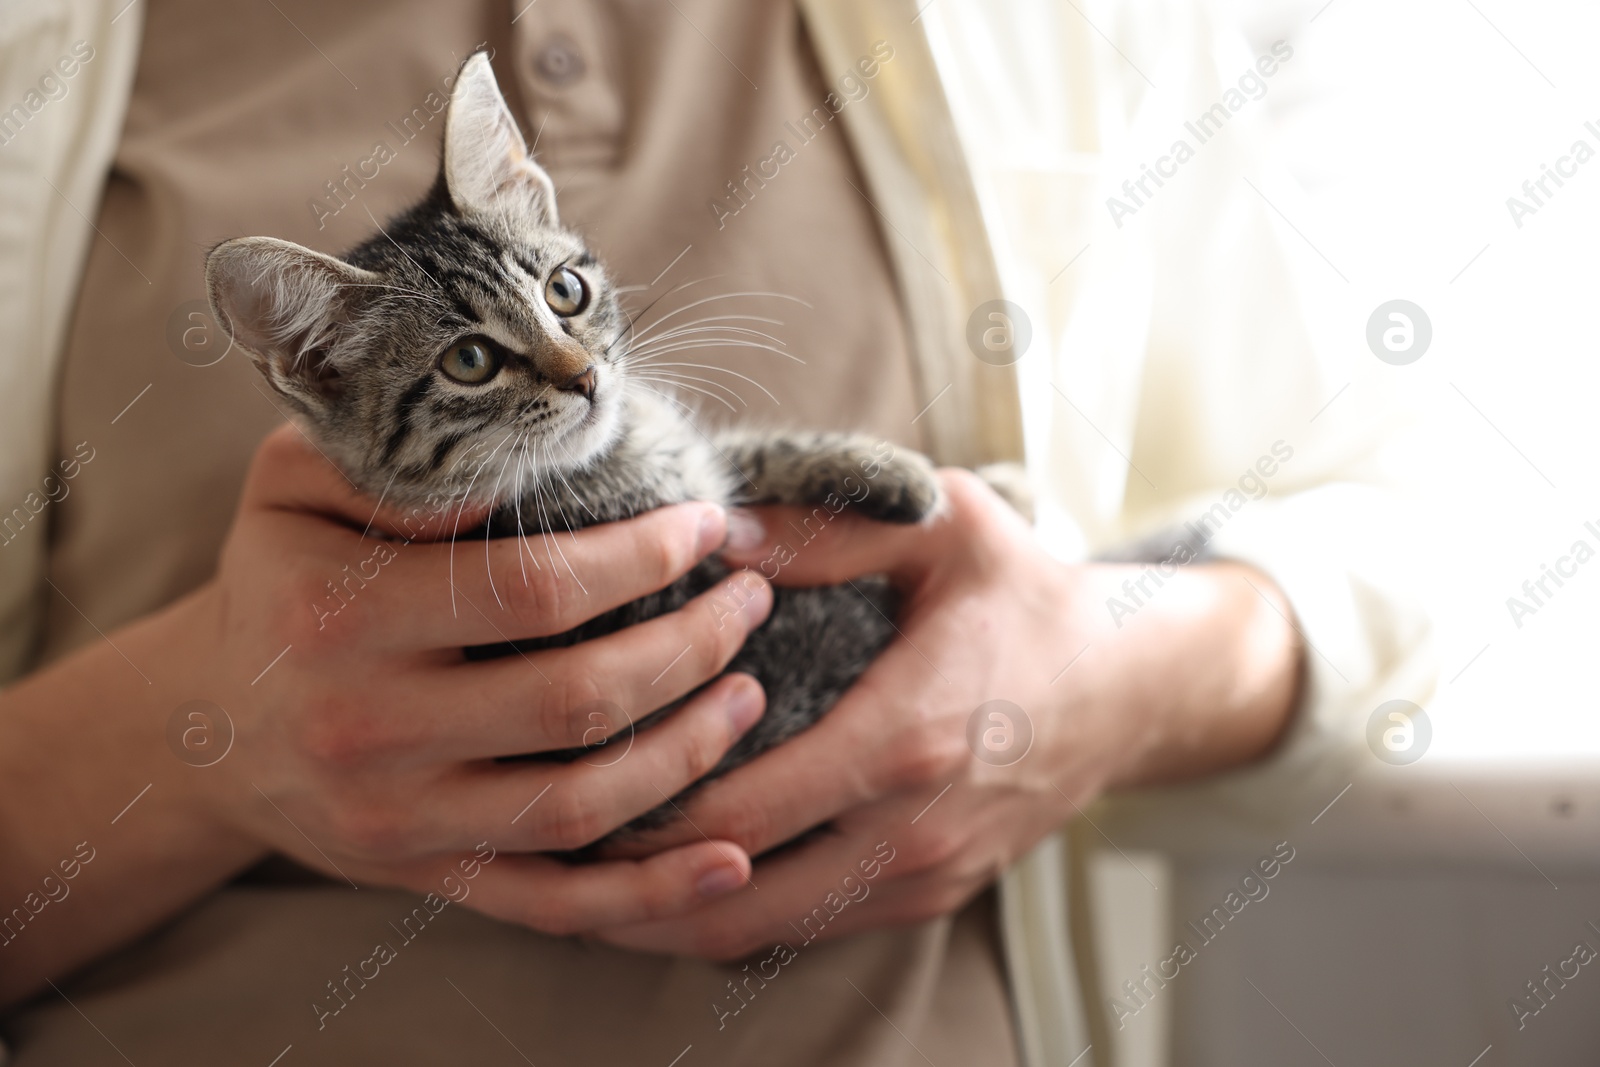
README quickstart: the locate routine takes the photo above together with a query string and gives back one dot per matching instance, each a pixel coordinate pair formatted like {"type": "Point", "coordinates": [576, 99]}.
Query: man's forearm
{"type": "Point", "coordinates": [99, 840]}
{"type": "Point", "coordinates": [1210, 658]}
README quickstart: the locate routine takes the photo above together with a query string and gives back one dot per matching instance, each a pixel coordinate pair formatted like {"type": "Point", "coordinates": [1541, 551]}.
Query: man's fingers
{"type": "Point", "coordinates": [788, 546]}
{"type": "Point", "coordinates": [798, 901]}
{"type": "Point", "coordinates": [548, 806]}
{"type": "Point", "coordinates": [491, 590]}
{"type": "Point", "coordinates": [812, 546]}
{"type": "Point", "coordinates": [583, 694]}
{"type": "Point", "coordinates": [561, 899]}
{"type": "Point", "coordinates": [289, 473]}
{"type": "Point", "coordinates": [804, 783]}
{"type": "Point", "coordinates": [410, 573]}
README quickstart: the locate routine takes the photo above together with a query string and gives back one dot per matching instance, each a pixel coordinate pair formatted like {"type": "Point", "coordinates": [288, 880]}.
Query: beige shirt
{"type": "Point", "coordinates": [239, 126]}
{"type": "Point", "coordinates": [1166, 356]}
{"type": "Point", "coordinates": [306, 121]}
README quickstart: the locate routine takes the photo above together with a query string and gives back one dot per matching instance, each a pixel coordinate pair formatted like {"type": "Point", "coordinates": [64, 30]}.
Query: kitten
{"type": "Point", "coordinates": [474, 351]}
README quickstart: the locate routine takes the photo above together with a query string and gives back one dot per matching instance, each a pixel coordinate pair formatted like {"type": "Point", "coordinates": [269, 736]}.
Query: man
{"type": "Point", "coordinates": [938, 173]}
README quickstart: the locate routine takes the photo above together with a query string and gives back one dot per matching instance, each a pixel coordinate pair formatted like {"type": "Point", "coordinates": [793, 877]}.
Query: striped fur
{"type": "Point", "coordinates": [355, 344]}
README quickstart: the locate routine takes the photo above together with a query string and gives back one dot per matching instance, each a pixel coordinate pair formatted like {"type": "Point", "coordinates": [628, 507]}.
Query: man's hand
{"type": "Point", "coordinates": [1202, 677]}
{"type": "Point", "coordinates": [369, 749]}
{"type": "Point", "coordinates": [363, 743]}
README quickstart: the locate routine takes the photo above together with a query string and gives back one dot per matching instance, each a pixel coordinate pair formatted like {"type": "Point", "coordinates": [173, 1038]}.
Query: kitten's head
{"type": "Point", "coordinates": [471, 338]}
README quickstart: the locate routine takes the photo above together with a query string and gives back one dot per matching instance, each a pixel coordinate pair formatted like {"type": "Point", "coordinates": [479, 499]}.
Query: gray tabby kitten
{"type": "Point", "coordinates": [474, 351]}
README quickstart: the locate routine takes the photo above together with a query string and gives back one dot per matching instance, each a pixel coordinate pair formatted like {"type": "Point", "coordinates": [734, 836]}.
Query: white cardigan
{"type": "Point", "coordinates": [1179, 328]}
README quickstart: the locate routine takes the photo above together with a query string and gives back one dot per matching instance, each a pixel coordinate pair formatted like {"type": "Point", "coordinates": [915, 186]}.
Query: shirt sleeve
{"type": "Point", "coordinates": [66, 72]}
{"type": "Point", "coordinates": [1268, 425]}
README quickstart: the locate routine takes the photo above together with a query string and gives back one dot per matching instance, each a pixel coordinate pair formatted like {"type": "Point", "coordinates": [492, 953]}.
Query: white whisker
{"type": "Point", "coordinates": [550, 540]}
{"type": "Point", "coordinates": [461, 510]}
{"type": "Point", "coordinates": [494, 494]}
{"type": "Point", "coordinates": [702, 326]}
{"type": "Point", "coordinates": [574, 493]}
{"type": "Point", "coordinates": [684, 385]}
{"type": "Point", "coordinates": [711, 299]}
{"type": "Point", "coordinates": [679, 346]}
{"type": "Point", "coordinates": [681, 377]}
{"type": "Point", "coordinates": [720, 370]}
{"type": "Point", "coordinates": [634, 317]}
{"type": "Point", "coordinates": [379, 505]}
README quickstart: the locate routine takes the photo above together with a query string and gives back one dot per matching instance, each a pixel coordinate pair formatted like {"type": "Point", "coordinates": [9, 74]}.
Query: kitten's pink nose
{"type": "Point", "coordinates": [582, 382]}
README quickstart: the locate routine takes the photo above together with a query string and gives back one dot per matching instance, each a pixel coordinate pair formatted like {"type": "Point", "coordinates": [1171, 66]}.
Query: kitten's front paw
{"type": "Point", "coordinates": [905, 490]}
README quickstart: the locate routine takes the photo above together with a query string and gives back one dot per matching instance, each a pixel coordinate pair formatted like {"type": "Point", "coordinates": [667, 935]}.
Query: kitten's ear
{"type": "Point", "coordinates": [487, 169]}
{"type": "Point", "coordinates": [284, 305]}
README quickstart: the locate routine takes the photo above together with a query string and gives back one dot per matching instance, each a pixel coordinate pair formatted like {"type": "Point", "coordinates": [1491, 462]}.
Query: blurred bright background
{"type": "Point", "coordinates": [1409, 127]}
{"type": "Point", "coordinates": [1429, 895]}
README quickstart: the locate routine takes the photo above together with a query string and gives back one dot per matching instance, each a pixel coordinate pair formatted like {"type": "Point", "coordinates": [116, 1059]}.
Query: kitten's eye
{"type": "Point", "coordinates": [470, 362]}
{"type": "Point", "coordinates": [565, 292]}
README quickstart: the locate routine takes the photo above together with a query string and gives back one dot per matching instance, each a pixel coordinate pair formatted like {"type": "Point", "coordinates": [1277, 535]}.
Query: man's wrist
{"type": "Point", "coordinates": [1203, 669]}
{"type": "Point", "coordinates": [114, 792]}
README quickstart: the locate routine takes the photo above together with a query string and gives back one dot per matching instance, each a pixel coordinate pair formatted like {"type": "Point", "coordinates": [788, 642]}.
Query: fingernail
{"type": "Point", "coordinates": [713, 531]}
{"type": "Point", "coordinates": [745, 705]}
{"type": "Point", "coordinates": [719, 880]}
{"type": "Point", "coordinates": [757, 602]}
{"type": "Point", "coordinates": [745, 531]}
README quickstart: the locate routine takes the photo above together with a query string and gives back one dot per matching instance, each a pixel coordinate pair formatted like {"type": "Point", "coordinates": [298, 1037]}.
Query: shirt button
{"type": "Point", "coordinates": [558, 62]}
